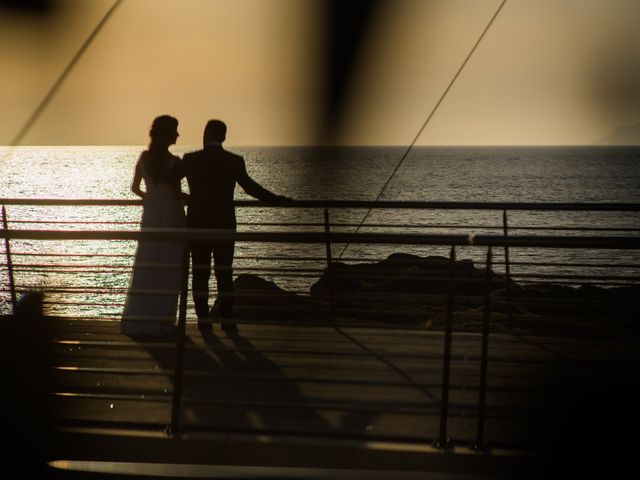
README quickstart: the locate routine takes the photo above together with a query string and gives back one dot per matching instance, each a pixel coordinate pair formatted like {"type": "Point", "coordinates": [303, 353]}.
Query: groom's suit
{"type": "Point", "coordinates": [212, 174]}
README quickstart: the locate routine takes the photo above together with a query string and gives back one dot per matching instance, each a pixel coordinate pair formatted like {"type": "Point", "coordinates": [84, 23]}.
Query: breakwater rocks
{"type": "Point", "coordinates": [412, 289]}
{"type": "Point", "coordinates": [583, 301]}
{"type": "Point", "coordinates": [410, 274]}
{"type": "Point", "coordinates": [262, 299]}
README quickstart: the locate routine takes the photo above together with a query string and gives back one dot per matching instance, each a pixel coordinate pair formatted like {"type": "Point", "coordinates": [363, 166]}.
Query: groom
{"type": "Point", "coordinates": [212, 174]}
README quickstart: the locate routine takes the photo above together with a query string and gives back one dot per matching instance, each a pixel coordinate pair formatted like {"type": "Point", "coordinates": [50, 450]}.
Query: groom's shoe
{"type": "Point", "coordinates": [226, 324]}
{"type": "Point", "coordinates": [229, 327]}
{"type": "Point", "coordinates": [204, 324]}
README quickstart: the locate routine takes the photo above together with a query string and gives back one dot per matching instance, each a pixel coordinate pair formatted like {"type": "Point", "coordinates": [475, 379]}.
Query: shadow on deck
{"type": "Point", "coordinates": [332, 402]}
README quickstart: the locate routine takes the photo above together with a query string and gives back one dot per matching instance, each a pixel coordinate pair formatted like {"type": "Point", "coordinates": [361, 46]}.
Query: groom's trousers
{"type": "Point", "coordinates": [201, 253]}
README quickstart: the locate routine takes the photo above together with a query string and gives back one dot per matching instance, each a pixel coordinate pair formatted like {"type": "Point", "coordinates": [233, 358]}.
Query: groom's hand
{"type": "Point", "coordinates": [283, 200]}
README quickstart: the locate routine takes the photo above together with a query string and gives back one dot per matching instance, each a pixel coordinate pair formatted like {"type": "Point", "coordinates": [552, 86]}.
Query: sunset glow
{"type": "Point", "coordinates": [548, 72]}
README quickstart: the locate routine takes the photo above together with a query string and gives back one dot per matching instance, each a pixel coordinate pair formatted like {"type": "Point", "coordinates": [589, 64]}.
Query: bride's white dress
{"type": "Point", "coordinates": [152, 299]}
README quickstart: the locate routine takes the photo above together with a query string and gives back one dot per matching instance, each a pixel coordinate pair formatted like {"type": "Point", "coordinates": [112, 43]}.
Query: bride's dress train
{"type": "Point", "coordinates": [152, 299]}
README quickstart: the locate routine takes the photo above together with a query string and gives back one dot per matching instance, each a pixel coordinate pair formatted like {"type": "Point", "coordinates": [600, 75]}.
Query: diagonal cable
{"type": "Point", "coordinates": [433, 111]}
{"type": "Point", "coordinates": [63, 76]}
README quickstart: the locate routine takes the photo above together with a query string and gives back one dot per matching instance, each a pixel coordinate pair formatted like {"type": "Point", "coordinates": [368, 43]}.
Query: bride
{"type": "Point", "coordinates": [152, 300]}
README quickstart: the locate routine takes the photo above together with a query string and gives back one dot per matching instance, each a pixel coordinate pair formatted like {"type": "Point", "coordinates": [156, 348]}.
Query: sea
{"type": "Point", "coordinates": [88, 279]}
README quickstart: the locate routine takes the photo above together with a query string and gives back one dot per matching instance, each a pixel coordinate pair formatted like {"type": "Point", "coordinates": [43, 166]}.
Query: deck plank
{"type": "Point", "coordinates": [316, 381]}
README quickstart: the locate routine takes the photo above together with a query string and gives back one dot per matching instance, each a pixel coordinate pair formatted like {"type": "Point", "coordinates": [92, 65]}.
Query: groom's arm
{"type": "Point", "coordinates": [177, 172]}
{"type": "Point", "coordinates": [256, 190]}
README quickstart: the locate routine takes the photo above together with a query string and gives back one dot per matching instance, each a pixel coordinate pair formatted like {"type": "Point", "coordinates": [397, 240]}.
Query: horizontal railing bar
{"type": "Point", "coordinates": [371, 274]}
{"type": "Point", "coordinates": [323, 259]}
{"type": "Point", "coordinates": [333, 237]}
{"type": "Point", "coordinates": [316, 259]}
{"type": "Point", "coordinates": [73, 289]}
{"type": "Point", "coordinates": [74, 222]}
{"type": "Point", "coordinates": [536, 301]}
{"type": "Point", "coordinates": [92, 290]}
{"type": "Point", "coordinates": [121, 273]}
{"type": "Point", "coordinates": [86, 304]}
{"type": "Point", "coordinates": [355, 204]}
{"type": "Point", "coordinates": [357, 225]}
{"type": "Point", "coordinates": [33, 267]}
{"type": "Point", "coordinates": [79, 268]}
{"type": "Point", "coordinates": [524, 281]}
{"type": "Point", "coordinates": [467, 297]}
{"type": "Point", "coordinates": [80, 202]}
{"type": "Point", "coordinates": [524, 278]}
{"type": "Point", "coordinates": [574, 277]}
{"type": "Point", "coordinates": [55, 289]}
{"type": "Point", "coordinates": [410, 316]}
{"type": "Point", "coordinates": [576, 228]}
{"type": "Point", "coordinates": [241, 257]}
{"type": "Point", "coordinates": [73, 255]}
{"type": "Point", "coordinates": [592, 320]}
{"type": "Point", "coordinates": [571, 264]}
{"type": "Point", "coordinates": [237, 258]}
{"type": "Point", "coordinates": [566, 278]}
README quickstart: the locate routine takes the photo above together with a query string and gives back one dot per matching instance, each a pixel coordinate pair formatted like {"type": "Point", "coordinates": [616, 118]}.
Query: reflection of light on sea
{"type": "Point", "coordinates": [78, 275]}
{"type": "Point", "coordinates": [428, 174]}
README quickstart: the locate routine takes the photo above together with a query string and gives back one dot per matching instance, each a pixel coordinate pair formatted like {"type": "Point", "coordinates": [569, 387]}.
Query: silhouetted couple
{"type": "Point", "coordinates": [212, 174]}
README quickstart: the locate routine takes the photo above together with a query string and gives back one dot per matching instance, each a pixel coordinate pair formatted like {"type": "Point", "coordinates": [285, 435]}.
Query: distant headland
{"type": "Point", "coordinates": [622, 135]}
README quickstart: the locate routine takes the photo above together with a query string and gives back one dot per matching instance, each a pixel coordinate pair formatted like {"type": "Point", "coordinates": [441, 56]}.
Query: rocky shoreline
{"type": "Point", "coordinates": [411, 290]}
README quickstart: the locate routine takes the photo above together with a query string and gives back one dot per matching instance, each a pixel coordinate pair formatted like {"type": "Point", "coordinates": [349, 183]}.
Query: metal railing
{"type": "Point", "coordinates": [497, 294]}
{"type": "Point", "coordinates": [412, 232]}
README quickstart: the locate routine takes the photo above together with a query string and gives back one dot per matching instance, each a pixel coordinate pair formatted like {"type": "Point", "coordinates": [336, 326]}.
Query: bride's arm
{"type": "Point", "coordinates": [175, 174]}
{"type": "Point", "coordinates": [136, 182]}
{"type": "Point", "coordinates": [180, 194]}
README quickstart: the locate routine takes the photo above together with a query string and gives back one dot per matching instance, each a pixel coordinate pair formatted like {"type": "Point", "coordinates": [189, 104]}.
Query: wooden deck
{"type": "Point", "coordinates": [362, 396]}
{"type": "Point", "coordinates": [319, 396]}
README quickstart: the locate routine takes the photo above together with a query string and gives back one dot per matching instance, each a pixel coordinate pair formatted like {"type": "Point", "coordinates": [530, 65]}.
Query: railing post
{"type": "Point", "coordinates": [507, 265]}
{"type": "Point", "coordinates": [176, 405]}
{"type": "Point", "coordinates": [479, 445]}
{"type": "Point", "coordinates": [329, 258]}
{"type": "Point", "coordinates": [327, 230]}
{"type": "Point", "coordinates": [7, 250]}
{"type": "Point", "coordinates": [443, 441]}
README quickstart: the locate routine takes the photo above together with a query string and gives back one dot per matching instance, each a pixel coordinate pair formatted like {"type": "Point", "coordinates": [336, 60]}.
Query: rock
{"type": "Point", "coordinates": [586, 302]}
{"type": "Point", "coordinates": [404, 273]}
{"type": "Point", "coordinates": [408, 289]}
{"type": "Point", "coordinates": [257, 298]}
{"type": "Point", "coordinates": [402, 288]}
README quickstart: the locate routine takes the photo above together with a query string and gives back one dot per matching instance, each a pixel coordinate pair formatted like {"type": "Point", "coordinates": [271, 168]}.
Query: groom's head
{"type": "Point", "coordinates": [215, 131]}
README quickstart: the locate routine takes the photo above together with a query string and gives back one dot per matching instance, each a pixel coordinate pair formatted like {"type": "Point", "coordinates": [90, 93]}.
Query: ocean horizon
{"type": "Point", "coordinates": [567, 174]}
{"type": "Point", "coordinates": [442, 173]}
